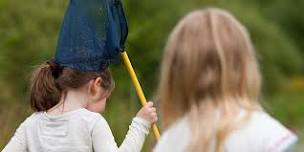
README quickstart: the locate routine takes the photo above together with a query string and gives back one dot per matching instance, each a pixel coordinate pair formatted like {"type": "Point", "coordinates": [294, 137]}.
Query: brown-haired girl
{"type": "Point", "coordinates": [67, 91]}
{"type": "Point", "coordinates": [209, 90]}
{"type": "Point", "coordinates": [60, 97]}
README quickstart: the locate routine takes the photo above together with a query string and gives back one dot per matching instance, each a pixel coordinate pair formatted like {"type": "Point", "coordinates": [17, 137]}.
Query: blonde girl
{"type": "Point", "coordinates": [210, 87]}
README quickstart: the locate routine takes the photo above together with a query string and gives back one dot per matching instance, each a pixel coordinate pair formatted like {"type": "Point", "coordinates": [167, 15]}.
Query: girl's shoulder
{"type": "Point", "coordinates": [262, 132]}
{"type": "Point", "coordinates": [93, 119]}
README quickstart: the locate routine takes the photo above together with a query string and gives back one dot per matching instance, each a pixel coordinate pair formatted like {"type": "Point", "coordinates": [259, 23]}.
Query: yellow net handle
{"type": "Point", "coordinates": [138, 88]}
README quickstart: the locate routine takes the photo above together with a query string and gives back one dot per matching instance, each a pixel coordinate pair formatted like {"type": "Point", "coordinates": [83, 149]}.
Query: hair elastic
{"type": "Point", "coordinates": [55, 68]}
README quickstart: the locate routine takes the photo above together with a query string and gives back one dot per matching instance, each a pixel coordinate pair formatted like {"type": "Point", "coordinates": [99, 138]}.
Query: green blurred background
{"type": "Point", "coordinates": [29, 29]}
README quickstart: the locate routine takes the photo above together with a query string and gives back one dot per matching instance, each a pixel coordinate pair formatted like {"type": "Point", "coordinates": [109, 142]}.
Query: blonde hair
{"type": "Point", "coordinates": [209, 72]}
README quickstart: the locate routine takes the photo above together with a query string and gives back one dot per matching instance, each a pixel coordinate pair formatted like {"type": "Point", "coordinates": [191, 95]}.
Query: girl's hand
{"type": "Point", "coordinates": [148, 112]}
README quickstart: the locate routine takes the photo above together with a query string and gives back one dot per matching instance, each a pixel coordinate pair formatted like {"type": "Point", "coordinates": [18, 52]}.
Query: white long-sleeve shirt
{"type": "Point", "coordinates": [76, 131]}
{"type": "Point", "coordinates": [262, 133]}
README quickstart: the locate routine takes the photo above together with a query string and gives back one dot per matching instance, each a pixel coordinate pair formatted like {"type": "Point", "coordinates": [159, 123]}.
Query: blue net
{"type": "Point", "coordinates": [92, 34]}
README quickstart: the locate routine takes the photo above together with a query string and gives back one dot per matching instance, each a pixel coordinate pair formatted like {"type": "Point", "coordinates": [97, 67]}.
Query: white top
{"type": "Point", "coordinates": [75, 131]}
{"type": "Point", "coordinates": [262, 133]}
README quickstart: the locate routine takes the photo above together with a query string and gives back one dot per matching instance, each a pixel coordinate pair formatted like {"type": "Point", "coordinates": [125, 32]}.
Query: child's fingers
{"type": "Point", "coordinates": [149, 104]}
{"type": "Point", "coordinates": [154, 115]}
{"type": "Point", "coordinates": [153, 109]}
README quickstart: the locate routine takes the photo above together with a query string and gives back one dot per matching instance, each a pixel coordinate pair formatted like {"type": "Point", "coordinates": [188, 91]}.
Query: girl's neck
{"type": "Point", "coordinates": [73, 100]}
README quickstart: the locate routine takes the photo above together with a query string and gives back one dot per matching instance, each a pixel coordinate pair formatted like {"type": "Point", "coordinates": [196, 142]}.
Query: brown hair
{"type": "Point", "coordinates": [209, 72]}
{"type": "Point", "coordinates": [48, 86]}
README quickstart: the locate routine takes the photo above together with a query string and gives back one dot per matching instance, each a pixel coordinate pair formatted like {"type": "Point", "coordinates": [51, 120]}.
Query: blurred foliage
{"type": "Point", "coordinates": [28, 35]}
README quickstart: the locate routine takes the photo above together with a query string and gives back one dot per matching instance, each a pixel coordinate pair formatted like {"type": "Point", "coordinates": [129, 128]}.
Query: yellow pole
{"type": "Point", "coordinates": [138, 88]}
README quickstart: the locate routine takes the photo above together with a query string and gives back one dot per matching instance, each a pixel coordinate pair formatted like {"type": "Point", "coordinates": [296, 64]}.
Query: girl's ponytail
{"type": "Point", "coordinates": [44, 92]}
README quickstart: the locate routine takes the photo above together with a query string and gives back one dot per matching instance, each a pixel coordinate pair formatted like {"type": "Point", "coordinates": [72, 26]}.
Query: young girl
{"type": "Point", "coordinates": [61, 122]}
{"type": "Point", "coordinates": [209, 90]}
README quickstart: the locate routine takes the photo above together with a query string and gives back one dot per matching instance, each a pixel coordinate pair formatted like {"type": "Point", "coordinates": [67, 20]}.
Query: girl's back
{"type": "Point", "coordinates": [75, 131]}
{"type": "Point", "coordinates": [260, 133]}
{"type": "Point", "coordinates": [71, 131]}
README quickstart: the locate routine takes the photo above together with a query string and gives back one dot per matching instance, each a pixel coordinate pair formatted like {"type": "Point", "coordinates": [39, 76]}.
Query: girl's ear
{"type": "Point", "coordinates": [95, 88]}
{"type": "Point", "coordinates": [98, 82]}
